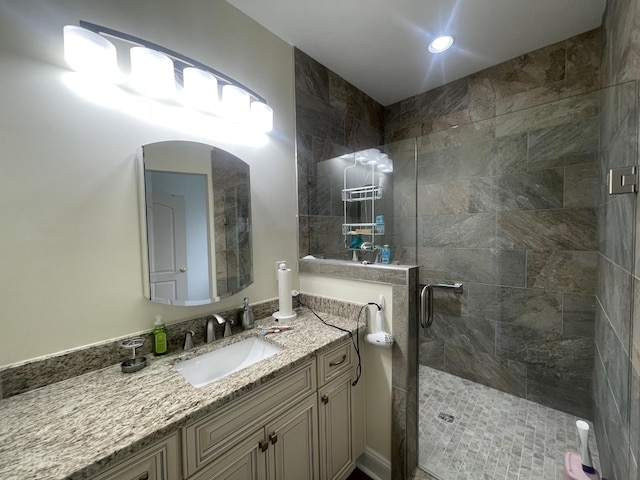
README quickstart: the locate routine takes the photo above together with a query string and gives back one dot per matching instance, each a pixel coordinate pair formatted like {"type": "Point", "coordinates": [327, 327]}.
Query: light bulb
{"type": "Point", "coordinates": [441, 44]}
{"type": "Point", "coordinates": [88, 53]}
{"type": "Point", "coordinates": [152, 73]}
{"type": "Point", "coordinates": [200, 89]}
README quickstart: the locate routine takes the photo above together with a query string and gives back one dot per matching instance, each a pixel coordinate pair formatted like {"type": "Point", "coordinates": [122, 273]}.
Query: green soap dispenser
{"type": "Point", "coordinates": [160, 343]}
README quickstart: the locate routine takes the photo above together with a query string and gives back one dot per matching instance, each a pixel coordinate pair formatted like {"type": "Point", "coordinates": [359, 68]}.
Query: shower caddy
{"type": "Point", "coordinates": [366, 195]}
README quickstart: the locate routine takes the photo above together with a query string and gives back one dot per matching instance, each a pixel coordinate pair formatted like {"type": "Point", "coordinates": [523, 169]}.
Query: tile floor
{"type": "Point", "coordinates": [470, 431]}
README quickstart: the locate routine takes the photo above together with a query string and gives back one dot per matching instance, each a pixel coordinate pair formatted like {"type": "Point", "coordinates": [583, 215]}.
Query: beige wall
{"type": "Point", "coordinates": [70, 257]}
{"type": "Point", "coordinates": [376, 361]}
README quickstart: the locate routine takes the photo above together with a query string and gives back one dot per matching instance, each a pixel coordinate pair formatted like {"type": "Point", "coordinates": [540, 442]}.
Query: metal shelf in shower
{"type": "Point", "coordinates": [363, 194]}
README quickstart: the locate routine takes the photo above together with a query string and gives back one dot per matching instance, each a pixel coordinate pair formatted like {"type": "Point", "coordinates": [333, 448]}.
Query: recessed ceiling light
{"type": "Point", "coordinates": [441, 44]}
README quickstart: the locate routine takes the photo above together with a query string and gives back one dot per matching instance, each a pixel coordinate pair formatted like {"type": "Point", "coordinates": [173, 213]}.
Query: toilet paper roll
{"type": "Point", "coordinates": [284, 294]}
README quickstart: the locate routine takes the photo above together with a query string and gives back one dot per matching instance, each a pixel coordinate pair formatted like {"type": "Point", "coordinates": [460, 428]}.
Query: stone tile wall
{"type": "Point", "coordinates": [332, 118]}
{"type": "Point", "coordinates": [617, 366]}
{"type": "Point", "coordinates": [507, 205]}
{"type": "Point", "coordinates": [514, 178]}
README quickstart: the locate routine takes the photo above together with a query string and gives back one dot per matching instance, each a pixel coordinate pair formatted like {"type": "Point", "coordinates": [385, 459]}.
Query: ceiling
{"type": "Point", "coordinates": [380, 46]}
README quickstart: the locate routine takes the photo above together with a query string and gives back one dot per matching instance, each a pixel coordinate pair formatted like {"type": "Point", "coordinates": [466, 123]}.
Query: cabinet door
{"type": "Point", "coordinates": [293, 440]}
{"type": "Point", "coordinates": [158, 462]}
{"type": "Point", "coordinates": [336, 440]}
{"type": "Point", "coordinates": [245, 461]}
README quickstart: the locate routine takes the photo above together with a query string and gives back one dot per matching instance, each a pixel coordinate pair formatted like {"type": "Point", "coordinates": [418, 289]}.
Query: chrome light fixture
{"type": "Point", "coordinates": [163, 74]}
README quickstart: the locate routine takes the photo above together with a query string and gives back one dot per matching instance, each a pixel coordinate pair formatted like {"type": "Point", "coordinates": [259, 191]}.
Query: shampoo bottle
{"type": "Point", "coordinates": [160, 344]}
{"type": "Point", "coordinates": [386, 255]}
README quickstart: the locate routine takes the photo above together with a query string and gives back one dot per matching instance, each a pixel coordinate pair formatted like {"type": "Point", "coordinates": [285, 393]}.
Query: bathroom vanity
{"type": "Point", "coordinates": [292, 416]}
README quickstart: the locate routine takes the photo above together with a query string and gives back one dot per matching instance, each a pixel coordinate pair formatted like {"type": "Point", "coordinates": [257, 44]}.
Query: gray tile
{"type": "Point", "coordinates": [541, 310]}
{"type": "Point", "coordinates": [567, 229]}
{"type": "Point", "coordinates": [468, 333]}
{"type": "Point", "coordinates": [566, 391]}
{"type": "Point", "coordinates": [317, 118]}
{"type": "Point", "coordinates": [500, 267]}
{"type": "Point", "coordinates": [614, 293]}
{"type": "Point", "coordinates": [616, 364]}
{"type": "Point", "coordinates": [616, 232]}
{"type": "Point", "coordinates": [581, 185]}
{"type": "Point", "coordinates": [431, 261]}
{"type": "Point", "coordinates": [578, 314]}
{"type": "Point", "coordinates": [435, 103]}
{"type": "Point", "coordinates": [561, 270]}
{"type": "Point", "coordinates": [459, 231]}
{"type": "Point", "coordinates": [522, 191]}
{"type": "Point", "coordinates": [310, 76]}
{"type": "Point", "coordinates": [548, 115]}
{"type": "Point", "coordinates": [565, 144]}
{"type": "Point", "coordinates": [543, 348]}
{"type": "Point", "coordinates": [443, 198]}
{"type": "Point", "coordinates": [499, 373]}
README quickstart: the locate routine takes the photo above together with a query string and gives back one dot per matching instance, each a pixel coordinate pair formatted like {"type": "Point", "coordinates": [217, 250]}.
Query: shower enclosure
{"type": "Point", "coordinates": [507, 207]}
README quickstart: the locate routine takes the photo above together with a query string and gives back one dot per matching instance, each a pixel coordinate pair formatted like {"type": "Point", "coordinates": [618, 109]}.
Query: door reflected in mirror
{"type": "Point", "coordinates": [197, 211]}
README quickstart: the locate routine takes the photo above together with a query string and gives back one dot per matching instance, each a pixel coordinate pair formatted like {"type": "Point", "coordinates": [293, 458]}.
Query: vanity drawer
{"type": "Point", "coordinates": [212, 436]}
{"type": "Point", "coordinates": [159, 462]}
{"type": "Point", "coordinates": [335, 362]}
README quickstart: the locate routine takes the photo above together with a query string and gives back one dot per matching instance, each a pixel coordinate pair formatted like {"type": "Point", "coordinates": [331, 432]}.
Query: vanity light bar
{"type": "Point", "coordinates": [161, 73]}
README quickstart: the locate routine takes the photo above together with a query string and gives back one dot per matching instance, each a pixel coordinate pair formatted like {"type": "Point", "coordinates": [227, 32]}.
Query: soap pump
{"type": "Point", "coordinates": [160, 346]}
{"type": "Point", "coordinates": [248, 318]}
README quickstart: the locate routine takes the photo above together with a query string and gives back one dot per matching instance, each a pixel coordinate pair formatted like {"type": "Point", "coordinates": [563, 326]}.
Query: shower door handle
{"type": "Point", "coordinates": [426, 301]}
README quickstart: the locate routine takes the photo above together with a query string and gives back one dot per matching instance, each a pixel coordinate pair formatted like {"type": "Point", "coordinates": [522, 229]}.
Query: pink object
{"type": "Point", "coordinates": [573, 468]}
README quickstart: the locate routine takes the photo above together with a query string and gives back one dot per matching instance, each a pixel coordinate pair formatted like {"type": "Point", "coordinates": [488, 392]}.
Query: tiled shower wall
{"type": "Point", "coordinates": [617, 365]}
{"type": "Point", "coordinates": [332, 118]}
{"type": "Point", "coordinates": [535, 85]}
{"type": "Point", "coordinates": [506, 205]}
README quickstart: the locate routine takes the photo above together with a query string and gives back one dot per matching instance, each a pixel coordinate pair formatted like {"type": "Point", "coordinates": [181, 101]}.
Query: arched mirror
{"type": "Point", "coordinates": [196, 210]}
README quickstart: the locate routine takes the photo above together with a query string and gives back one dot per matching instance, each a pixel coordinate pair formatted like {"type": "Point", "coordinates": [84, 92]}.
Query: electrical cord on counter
{"type": "Point", "coordinates": [355, 339]}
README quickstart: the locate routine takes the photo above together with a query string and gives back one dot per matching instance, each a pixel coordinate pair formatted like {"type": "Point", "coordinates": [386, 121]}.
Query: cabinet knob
{"type": "Point", "coordinates": [325, 399]}
{"type": "Point", "coordinates": [264, 444]}
{"type": "Point", "coordinates": [273, 437]}
{"type": "Point", "coordinates": [144, 476]}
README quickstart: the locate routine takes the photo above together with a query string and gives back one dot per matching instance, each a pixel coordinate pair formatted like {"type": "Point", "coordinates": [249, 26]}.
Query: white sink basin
{"type": "Point", "coordinates": [204, 369]}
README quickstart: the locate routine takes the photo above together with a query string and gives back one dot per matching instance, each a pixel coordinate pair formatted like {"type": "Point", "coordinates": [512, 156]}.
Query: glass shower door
{"type": "Point", "coordinates": [506, 206]}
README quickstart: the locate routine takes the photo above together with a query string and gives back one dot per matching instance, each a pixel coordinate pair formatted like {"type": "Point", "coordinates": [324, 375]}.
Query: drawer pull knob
{"type": "Point", "coordinates": [325, 399]}
{"type": "Point", "coordinates": [264, 445]}
{"type": "Point", "coordinates": [274, 438]}
{"type": "Point", "coordinates": [144, 476]}
{"type": "Point", "coordinates": [339, 362]}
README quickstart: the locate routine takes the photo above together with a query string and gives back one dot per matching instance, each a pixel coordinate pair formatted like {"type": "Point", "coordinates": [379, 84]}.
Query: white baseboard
{"type": "Point", "coordinates": [374, 465]}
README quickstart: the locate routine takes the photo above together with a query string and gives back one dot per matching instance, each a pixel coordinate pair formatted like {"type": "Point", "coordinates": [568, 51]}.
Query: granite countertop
{"type": "Point", "coordinates": [71, 429]}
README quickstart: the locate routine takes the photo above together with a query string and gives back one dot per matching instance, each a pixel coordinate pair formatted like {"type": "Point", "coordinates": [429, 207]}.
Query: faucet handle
{"type": "Point", "coordinates": [188, 340]}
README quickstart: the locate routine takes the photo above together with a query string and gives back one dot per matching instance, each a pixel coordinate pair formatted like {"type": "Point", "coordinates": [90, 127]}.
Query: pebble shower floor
{"type": "Point", "coordinates": [468, 430]}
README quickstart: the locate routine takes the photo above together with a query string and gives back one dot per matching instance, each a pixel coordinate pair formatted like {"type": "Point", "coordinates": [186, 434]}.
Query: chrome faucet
{"type": "Point", "coordinates": [221, 321]}
{"type": "Point", "coordinates": [210, 334]}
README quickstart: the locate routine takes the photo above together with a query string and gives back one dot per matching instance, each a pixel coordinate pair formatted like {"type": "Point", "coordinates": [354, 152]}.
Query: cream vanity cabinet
{"type": "Point", "coordinates": [270, 435]}
{"type": "Point", "coordinates": [341, 431]}
{"type": "Point", "coordinates": [302, 426]}
{"type": "Point", "coordinates": [161, 461]}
